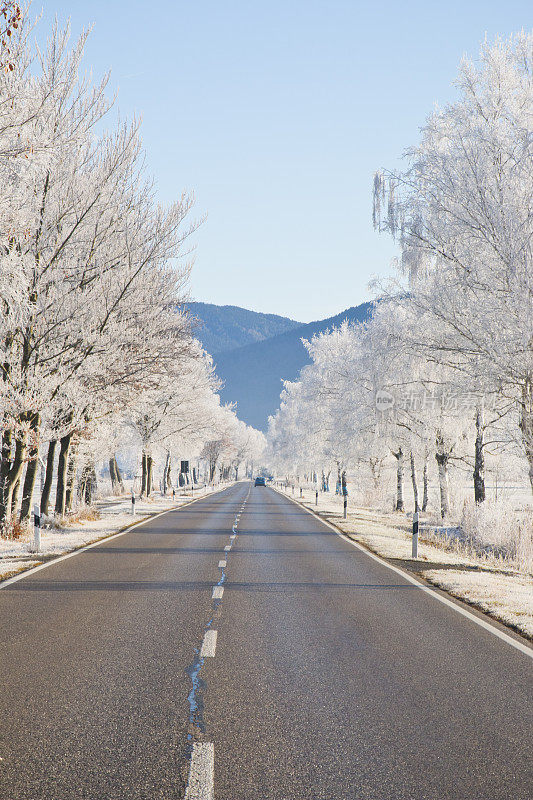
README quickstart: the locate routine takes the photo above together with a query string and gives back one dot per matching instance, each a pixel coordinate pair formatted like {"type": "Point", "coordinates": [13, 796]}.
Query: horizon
{"type": "Point", "coordinates": [281, 316]}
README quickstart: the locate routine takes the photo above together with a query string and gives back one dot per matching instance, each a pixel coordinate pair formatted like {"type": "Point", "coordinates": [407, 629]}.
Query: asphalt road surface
{"type": "Point", "coordinates": [291, 666]}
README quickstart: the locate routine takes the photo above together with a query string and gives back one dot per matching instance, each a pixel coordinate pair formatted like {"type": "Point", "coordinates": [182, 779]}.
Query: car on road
{"type": "Point", "coordinates": [259, 481]}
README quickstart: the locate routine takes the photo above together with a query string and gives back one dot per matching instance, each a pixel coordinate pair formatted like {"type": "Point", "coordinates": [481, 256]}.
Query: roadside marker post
{"type": "Point", "coordinates": [316, 497]}
{"type": "Point", "coordinates": [301, 492]}
{"type": "Point", "coordinates": [132, 504]}
{"type": "Point", "coordinates": [36, 529]}
{"type": "Point", "coordinates": [414, 551]}
{"type": "Point", "coordinates": [344, 491]}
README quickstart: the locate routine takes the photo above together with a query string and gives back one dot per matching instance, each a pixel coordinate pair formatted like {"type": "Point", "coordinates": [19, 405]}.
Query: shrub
{"type": "Point", "coordinates": [500, 528]}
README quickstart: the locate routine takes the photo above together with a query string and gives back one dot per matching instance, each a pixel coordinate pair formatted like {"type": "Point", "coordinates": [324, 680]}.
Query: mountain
{"type": "Point", "coordinates": [253, 373]}
{"type": "Point", "coordinates": [223, 328]}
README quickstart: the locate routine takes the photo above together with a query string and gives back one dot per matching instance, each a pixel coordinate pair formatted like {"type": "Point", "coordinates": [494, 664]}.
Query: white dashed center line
{"type": "Point", "coordinates": [209, 645]}
{"type": "Point", "coordinates": [201, 784]}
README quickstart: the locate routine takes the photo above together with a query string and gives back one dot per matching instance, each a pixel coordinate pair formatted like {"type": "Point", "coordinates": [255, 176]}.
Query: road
{"type": "Point", "coordinates": [316, 673]}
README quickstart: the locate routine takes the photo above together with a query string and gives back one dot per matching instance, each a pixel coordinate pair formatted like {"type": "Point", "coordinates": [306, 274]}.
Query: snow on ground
{"type": "Point", "coordinates": [12, 566]}
{"type": "Point", "coordinates": [109, 516]}
{"type": "Point", "coordinates": [506, 597]}
{"type": "Point", "coordinates": [504, 593]}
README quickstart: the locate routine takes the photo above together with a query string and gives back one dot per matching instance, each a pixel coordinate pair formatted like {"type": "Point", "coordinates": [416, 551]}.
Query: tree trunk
{"type": "Point", "coordinates": [48, 478]}
{"type": "Point", "coordinates": [71, 477]}
{"type": "Point", "coordinates": [87, 484]}
{"type": "Point", "coordinates": [5, 466]}
{"type": "Point", "coordinates": [113, 474]}
{"type": "Point", "coordinates": [117, 484]}
{"type": "Point", "coordinates": [28, 488]}
{"type": "Point", "coordinates": [15, 496]}
{"type": "Point", "coordinates": [442, 457]}
{"type": "Point", "coordinates": [442, 461]}
{"type": "Point", "coordinates": [479, 464]}
{"type": "Point", "coordinates": [425, 495]}
{"type": "Point", "coordinates": [118, 474]}
{"type": "Point", "coordinates": [31, 470]}
{"type": "Point", "coordinates": [375, 468]}
{"type": "Point", "coordinates": [399, 479]}
{"type": "Point", "coordinates": [149, 474]}
{"type": "Point", "coordinates": [144, 474]}
{"type": "Point", "coordinates": [12, 480]}
{"type": "Point", "coordinates": [526, 422]}
{"type": "Point", "coordinates": [61, 488]}
{"type": "Point", "coordinates": [413, 480]}
{"type": "Point", "coordinates": [169, 472]}
{"type": "Point", "coordinates": [91, 485]}
{"type": "Point", "coordinates": [82, 483]}
{"type": "Point", "coordinates": [166, 473]}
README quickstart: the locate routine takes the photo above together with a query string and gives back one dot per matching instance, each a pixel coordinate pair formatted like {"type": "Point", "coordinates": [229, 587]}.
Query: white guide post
{"type": "Point", "coordinates": [36, 529]}
{"type": "Point", "coordinates": [414, 551]}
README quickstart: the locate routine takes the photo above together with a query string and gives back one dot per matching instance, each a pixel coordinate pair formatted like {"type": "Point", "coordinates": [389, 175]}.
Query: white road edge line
{"type": "Point", "coordinates": [209, 645]}
{"type": "Point", "coordinates": [528, 651]}
{"type": "Point", "coordinates": [201, 783]}
{"type": "Point", "coordinates": [222, 563]}
{"type": "Point", "coordinates": [218, 591]}
{"type": "Point", "coordinates": [102, 540]}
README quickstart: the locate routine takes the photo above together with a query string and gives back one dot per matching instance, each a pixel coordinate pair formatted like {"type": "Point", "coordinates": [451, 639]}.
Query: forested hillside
{"type": "Point", "coordinates": [253, 374]}
{"type": "Point", "coordinates": [223, 328]}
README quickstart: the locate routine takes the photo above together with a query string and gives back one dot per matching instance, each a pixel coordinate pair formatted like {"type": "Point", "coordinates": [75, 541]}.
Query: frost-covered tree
{"type": "Point", "coordinates": [366, 401]}
{"type": "Point", "coordinates": [88, 294]}
{"type": "Point", "coordinates": [463, 214]}
{"type": "Point", "coordinates": [180, 405]}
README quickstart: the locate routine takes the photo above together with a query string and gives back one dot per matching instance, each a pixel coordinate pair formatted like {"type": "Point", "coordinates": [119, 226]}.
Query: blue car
{"type": "Point", "coordinates": [260, 482]}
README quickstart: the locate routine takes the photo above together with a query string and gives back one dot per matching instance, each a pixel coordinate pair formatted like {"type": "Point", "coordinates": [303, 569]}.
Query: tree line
{"type": "Point", "coordinates": [95, 346]}
{"type": "Point", "coordinates": [443, 372]}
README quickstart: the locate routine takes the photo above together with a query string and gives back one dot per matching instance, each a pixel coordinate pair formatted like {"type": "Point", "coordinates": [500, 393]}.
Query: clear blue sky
{"type": "Point", "coordinates": [276, 115]}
